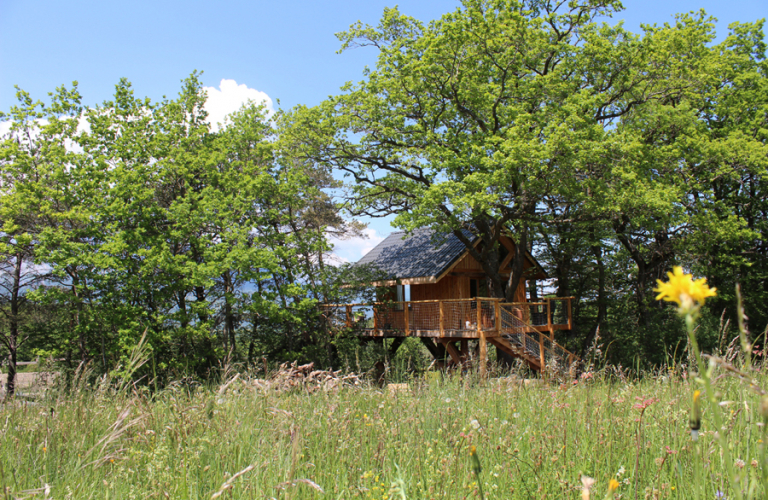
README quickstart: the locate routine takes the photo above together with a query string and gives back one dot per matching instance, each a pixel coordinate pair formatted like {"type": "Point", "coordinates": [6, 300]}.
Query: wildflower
{"type": "Point", "coordinates": [475, 424]}
{"type": "Point", "coordinates": [613, 485]}
{"type": "Point", "coordinates": [719, 494]}
{"type": "Point", "coordinates": [476, 467]}
{"type": "Point", "coordinates": [695, 421]}
{"type": "Point", "coordinates": [682, 289]}
{"type": "Point", "coordinates": [739, 463]}
{"type": "Point", "coordinates": [754, 463]}
{"type": "Point", "coordinates": [586, 485]}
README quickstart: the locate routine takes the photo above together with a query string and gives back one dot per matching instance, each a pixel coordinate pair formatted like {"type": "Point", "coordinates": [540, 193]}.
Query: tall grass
{"type": "Point", "coordinates": [247, 439]}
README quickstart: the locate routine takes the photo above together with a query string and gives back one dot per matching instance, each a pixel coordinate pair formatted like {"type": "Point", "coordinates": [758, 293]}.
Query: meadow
{"type": "Point", "coordinates": [331, 437]}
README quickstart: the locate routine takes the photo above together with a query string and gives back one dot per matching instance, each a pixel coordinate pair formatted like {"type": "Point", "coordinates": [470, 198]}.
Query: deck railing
{"type": "Point", "coordinates": [523, 324]}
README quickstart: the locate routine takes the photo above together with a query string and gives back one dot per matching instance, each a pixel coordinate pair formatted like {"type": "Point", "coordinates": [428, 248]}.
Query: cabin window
{"type": "Point", "coordinates": [402, 294]}
{"type": "Point", "coordinates": [478, 288]}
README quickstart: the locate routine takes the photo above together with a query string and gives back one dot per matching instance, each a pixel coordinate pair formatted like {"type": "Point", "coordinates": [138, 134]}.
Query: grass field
{"type": "Point", "coordinates": [254, 439]}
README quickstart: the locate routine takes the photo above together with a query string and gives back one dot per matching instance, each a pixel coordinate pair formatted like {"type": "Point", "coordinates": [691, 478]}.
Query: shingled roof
{"type": "Point", "coordinates": [424, 254]}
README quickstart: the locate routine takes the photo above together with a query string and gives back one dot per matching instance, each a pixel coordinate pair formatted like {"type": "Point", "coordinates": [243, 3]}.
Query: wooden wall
{"type": "Point", "coordinates": [456, 284]}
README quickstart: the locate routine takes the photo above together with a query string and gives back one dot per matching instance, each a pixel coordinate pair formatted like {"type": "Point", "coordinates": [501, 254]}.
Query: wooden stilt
{"type": "Point", "coordinates": [405, 315]}
{"type": "Point", "coordinates": [442, 318]}
{"type": "Point", "coordinates": [483, 354]}
{"type": "Point", "coordinates": [455, 356]}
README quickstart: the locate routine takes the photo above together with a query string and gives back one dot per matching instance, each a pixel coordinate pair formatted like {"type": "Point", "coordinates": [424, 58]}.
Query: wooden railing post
{"type": "Point", "coordinates": [570, 326]}
{"type": "Point", "coordinates": [548, 305]}
{"type": "Point", "coordinates": [442, 318]}
{"type": "Point", "coordinates": [405, 316]}
{"type": "Point", "coordinates": [498, 317]}
{"type": "Point", "coordinates": [349, 317]}
{"type": "Point", "coordinates": [375, 318]}
{"type": "Point", "coordinates": [481, 336]}
{"type": "Point", "coordinates": [542, 359]}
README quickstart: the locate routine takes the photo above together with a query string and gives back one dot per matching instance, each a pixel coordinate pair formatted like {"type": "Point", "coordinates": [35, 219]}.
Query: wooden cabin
{"type": "Point", "coordinates": [438, 292]}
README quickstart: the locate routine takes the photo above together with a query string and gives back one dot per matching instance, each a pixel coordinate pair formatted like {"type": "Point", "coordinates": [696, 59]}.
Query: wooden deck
{"type": "Point", "coordinates": [522, 329]}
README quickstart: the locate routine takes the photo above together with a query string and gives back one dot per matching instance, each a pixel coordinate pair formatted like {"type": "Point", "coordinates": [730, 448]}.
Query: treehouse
{"type": "Point", "coordinates": [436, 291]}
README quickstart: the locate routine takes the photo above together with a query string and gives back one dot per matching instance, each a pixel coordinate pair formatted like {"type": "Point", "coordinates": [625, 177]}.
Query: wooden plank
{"type": "Point", "coordinates": [483, 344]}
{"type": "Point", "coordinates": [455, 356]}
{"type": "Point", "coordinates": [349, 317]}
{"type": "Point", "coordinates": [497, 309]}
{"type": "Point", "coordinates": [405, 316]}
{"type": "Point", "coordinates": [549, 320]}
{"type": "Point", "coordinates": [442, 318]}
{"type": "Point", "coordinates": [542, 359]}
{"type": "Point", "coordinates": [505, 346]}
{"type": "Point", "coordinates": [570, 326]}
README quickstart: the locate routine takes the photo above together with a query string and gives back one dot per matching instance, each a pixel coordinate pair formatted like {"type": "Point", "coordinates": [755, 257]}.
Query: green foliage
{"type": "Point", "coordinates": [146, 220]}
{"type": "Point", "coordinates": [611, 155]}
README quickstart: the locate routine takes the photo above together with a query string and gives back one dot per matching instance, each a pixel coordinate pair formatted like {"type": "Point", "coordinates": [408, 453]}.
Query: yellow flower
{"type": "Point", "coordinates": [682, 289]}
{"type": "Point", "coordinates": [613, 485]}
{"type": "Point", "coordinates": [475, 461]}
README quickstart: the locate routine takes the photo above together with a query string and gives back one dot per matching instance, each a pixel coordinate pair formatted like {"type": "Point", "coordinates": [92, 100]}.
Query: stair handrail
{"type": "Point", "coordinates": [551, 350]}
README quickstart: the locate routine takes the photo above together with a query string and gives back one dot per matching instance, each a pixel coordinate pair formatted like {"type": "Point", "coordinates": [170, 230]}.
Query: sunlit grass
{"type": "Point", "coordinates": [534, 441]}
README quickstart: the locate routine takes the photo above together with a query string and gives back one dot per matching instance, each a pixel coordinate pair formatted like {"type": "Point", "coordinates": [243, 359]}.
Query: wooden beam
{"type": "Point", "coordinates": [455, 356]}
{"type": "Point", "coordinates": [442, 318]}
{"type": "Point", "coordinates": [396, 343]}
{"type": "Point", "coordinates": [483, 344]}
{"type": "Point", "coordinates": [548, 305]}
{"type": "Point", "coordinates": [434, 349]}
{"type": "Point", "coordinates": [405, 315]}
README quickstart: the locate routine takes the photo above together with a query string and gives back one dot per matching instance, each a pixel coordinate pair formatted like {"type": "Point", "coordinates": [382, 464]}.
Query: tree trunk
{"type": "Point", "coordinates": [13, 334]}
{"type": "Point", "coordinates": [602, 309]}
{"type": "Point", "coordinates": [229, 318]}
{"type": "Point", "coordinates": [518, 262]}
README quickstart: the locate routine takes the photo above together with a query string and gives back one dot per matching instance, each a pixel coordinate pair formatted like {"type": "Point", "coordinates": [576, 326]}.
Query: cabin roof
{"type": "Point", "coordinates": [423, 255]}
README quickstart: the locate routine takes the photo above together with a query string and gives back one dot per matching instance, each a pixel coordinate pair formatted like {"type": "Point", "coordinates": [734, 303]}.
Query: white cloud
{"type": "Point", "coordinates": [353, 249]}
{"type": "Point", "coordinates": [230, 97]}
{"type": "Point", "coordinates": [5, 127]}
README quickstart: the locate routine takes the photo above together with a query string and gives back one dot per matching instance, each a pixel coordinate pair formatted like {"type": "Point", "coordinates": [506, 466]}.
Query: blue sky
{"type": "Point", "coordinates": [285, 49]}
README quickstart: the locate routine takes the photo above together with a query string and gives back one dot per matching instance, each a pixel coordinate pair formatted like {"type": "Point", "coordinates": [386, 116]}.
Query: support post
{"type": "Point", "coordinates": [442, 318]}
{"type": "Point", "coordinates": [569, 313]}
{"type": "Point", "coordinates": [405, 316]}
{"type": "Point", "coordinates": [483, 344]}
{"type": "Point", "coordinates": [455, 355]}
{"type": "Point", "coordinates": [542, 359]}
{"type": "Point", "coordinates": [349, 317]}
{"type": "Point", "coordinates": [497, 307]}
{"type": "Point", "coordinates": [548, 305]}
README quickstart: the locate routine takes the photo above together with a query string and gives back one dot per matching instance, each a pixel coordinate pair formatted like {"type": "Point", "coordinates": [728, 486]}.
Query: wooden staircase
{"type": "Point", "coordinates": [524, 341]}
